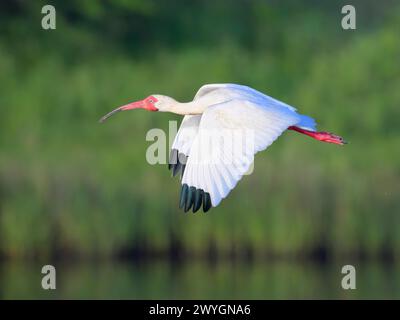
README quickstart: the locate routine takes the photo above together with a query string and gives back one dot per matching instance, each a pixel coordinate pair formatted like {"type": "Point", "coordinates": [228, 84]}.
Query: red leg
{"type": "Point", "coordinates": [321, 136]}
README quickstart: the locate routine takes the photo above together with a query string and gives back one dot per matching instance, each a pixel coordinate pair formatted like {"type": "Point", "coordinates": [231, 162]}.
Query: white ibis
{"type": "Point", "coordinates": [217, 108]}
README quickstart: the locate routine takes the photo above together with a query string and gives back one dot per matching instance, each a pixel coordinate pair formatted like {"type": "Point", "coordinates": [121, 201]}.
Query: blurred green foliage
{"type": "Point", "coordinates": [70, 186]}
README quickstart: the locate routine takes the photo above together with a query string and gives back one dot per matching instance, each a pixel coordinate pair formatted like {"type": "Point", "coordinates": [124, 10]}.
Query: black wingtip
{"type": "Point", "coordinates": [206, 202]}
{"type": "Point", "coordinates": [182, 199]}
{"type": "Point", "coordinates": [193, 198]}
{"type": "Point", "coordinates": [173, 158]}
{"type": "Point", "coordinates": [176, 168]}
{"type": "Point", "coordinates": [190, 198]}
{"type": "Point", "coordinates": [198, 199]}
{"type": "Point", "coordinates": [177, 162]}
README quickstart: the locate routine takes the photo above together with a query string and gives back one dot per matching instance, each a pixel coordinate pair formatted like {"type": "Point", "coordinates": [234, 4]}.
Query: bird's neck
{"type": "Point", "coordinates": [190, 108]}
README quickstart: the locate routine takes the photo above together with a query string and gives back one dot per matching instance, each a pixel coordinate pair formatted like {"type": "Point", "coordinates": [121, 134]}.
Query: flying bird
{"type": "Point", "coordinates": [208, 168]}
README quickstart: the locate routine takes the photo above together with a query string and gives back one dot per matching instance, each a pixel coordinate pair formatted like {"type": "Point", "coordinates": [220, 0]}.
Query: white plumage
{"type": "Point", "coordinates": [244, 109]}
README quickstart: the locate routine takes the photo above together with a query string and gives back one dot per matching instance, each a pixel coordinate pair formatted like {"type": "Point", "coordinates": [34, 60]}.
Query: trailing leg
{"type": "Point", "coordinates": [321, 136]}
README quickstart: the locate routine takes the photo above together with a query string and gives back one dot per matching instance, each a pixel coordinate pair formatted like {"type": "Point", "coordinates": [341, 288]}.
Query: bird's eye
{"type": "Point", "coordinates": [151, 101]}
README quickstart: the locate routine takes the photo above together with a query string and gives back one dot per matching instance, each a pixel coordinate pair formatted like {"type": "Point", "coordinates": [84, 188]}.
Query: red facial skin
{"type": "Point", "coordinates": [321, 136]}
{"type": "Point", "coordinates": [147, 104]}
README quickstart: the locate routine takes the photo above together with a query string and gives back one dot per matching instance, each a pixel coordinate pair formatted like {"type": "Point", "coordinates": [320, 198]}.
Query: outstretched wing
{"type": "Point", "coordinates": [243, 91]}
{"type": "Point", "coordinates": [229, 135]}
{"type": "Point", "coordinates": [207, 88]}
{"type": "Point", "coordinates": [182, 143]}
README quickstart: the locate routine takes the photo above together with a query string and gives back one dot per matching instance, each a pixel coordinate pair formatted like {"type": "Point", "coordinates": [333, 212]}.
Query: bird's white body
{"type": "Point", "coordinates": [238, 122]}
{"type": "Point", "coordinates": [236, 108]}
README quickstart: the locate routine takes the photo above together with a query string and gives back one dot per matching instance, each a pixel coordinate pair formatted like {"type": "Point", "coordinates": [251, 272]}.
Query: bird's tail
{"type": "Point", "coordinates": [307, 123]}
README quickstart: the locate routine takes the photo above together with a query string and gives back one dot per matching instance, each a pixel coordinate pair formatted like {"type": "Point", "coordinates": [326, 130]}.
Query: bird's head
{"type": "Point", "coordinates": [155, 102]}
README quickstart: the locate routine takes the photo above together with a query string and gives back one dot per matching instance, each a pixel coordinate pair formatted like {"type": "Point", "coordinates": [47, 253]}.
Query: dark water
{"type": "Point", "coordinates": [197, 280]}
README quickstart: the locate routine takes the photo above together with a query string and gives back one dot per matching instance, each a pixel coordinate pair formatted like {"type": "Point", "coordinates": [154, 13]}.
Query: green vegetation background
{"type": "Point", "coordinates": [70, 186]}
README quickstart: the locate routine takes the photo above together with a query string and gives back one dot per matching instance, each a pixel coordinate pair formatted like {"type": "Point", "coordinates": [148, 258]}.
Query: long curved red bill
{"type": "Point", "coordinates": [104, 118]}
{"type": "Point", "coordinates": [129, 106]}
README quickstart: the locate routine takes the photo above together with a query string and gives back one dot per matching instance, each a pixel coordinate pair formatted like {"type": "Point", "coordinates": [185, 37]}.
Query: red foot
{"type": "Point", "coordinates": [321, 136]}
